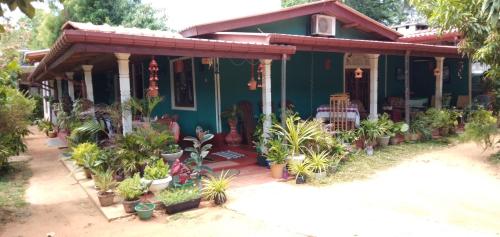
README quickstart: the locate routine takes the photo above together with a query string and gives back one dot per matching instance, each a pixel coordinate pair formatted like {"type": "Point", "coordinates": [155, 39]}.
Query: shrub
{"type": "Point", "coordinates": [104, 181]}
{"type": "Point", "coordinates": [277, 151]}
{"type": "Point", "coordinates": [84, 153]}
{"type": "Point", "coordinates": [178, 195]}
{"type": "Point", "coordinates": [158, 170]}
{"type": "Point", "coordinates": [131, 188]}
{"type": "Point", "coordinates": [297, 133]}
{"type": "Point", "coordinates": [214, 188]}
{"type": "Point", "coordinates": [318, 162]}
{"type": "Point", "coordinates": [481, 128]}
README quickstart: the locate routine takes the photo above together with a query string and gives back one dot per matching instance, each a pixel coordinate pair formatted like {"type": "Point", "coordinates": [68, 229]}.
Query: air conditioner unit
{"type": "Point", "coordinates": [322, 25]}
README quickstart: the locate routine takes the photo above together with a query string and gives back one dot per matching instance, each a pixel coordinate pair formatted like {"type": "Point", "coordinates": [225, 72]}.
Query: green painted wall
{"type": "Point", "coordinates": [302, 26]}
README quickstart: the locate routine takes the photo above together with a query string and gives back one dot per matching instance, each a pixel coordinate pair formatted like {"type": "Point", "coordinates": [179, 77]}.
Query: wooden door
{"type": "Point", "coordinates": [358, 89]}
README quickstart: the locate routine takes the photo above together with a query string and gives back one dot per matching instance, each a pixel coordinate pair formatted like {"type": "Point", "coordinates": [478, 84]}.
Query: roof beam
{"type": "Point", "coordinates": [350, 25]}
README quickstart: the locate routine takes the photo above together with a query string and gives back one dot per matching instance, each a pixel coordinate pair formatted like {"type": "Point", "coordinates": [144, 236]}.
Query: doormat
{"type": "Point", "coordinates": [230, 155]}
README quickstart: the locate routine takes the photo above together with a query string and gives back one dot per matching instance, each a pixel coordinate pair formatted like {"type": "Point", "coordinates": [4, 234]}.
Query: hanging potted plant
{"type": "Point", "coordinates": [296, 134]}
{"type": "Point", "coordinates": [214, 188]}
{"type": "Point", "coordinates": [172, 152]}
{"type": "Point", "coordinates": [105, 185]}
{"type": "Point", "coordinates": [233, 138]}
{"type": "Point", "coordinates": [301, 170]}
{"type": "Point", "coordinates": [318, 163]}
{"type": "Point", "coordinates": [130, 190]}
{"type": "Point", "coordinates": [157, 176]}
{"type": "Point", "coordinates": [276, 154]}
{"type": "Point", "coordinates": [369, 131]}
{"type": "Point", "coordinates": [180, 199]}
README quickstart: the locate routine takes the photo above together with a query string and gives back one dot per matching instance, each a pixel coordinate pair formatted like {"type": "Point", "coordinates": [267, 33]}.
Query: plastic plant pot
{"type": "Point", "coordinates": [145, 210]}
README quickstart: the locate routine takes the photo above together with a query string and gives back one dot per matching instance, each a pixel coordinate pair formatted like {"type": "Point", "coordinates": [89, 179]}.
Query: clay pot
{"type": "Point", "coordinates": [444, 131]}
{"type": "Point", "coordinates": [233, 138]}
{"type": "Point", "coordinates": [88, 173]}
{"type": "Point", "coordinates": [106, 199]}
{"type": "Point", "coordinates": [277, 170]}
{"type": "Point", "coordinates": [130, 205]}
{"type": "Point", "coordinates": [394, 140]}
{"type": "Point", "coordinates": [52, 134]}
{"type": "Point", "coordinates": [383, 141]}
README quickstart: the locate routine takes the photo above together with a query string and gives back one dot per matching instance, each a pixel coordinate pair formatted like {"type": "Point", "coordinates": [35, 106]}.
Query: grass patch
{"type": "Point", "coordinates": [13, 185]}
{"type": "Point", "coordinates": [361, 166]}
{"type": "Point", "coordinates": [495, 158]}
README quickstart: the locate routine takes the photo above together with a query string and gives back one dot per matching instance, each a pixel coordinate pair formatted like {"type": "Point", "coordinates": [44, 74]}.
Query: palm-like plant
{"type": "Point", "coordinates": [296, 133]}
{"type": "Point", "coordinates": [145, 106]}
{"type": "Point", "coordinates": [104, 181]}
{"type": "Point", "coordinates": [370, 130]}
{"type": "Point", "coordinates": [300, 169]}
{"type": "Point", "coordinates": [277, 151]}
{"type": "Point", "coordinates": [214, 188]}
{"type": "Point", "coordinates": [318, 161]}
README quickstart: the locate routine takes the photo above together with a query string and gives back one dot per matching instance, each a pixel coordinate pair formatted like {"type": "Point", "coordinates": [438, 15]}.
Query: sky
{"type": "Point", "coordinates": [184, 13]}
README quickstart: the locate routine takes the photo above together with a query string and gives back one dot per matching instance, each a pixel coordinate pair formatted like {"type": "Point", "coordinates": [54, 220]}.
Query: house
{"type": "Point", "coordinates": [300, 55]}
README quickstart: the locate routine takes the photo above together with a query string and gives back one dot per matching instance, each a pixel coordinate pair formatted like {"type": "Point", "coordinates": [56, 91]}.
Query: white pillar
{"type": "Point", "coordinates": [53, 117]}
{"type": "Point", "coordinates": [373, 58]}
{"type": "Point", "coordinates": [46, 104]}
{"type": "Point", "coordinates": [438, 96]}
{"type": "Point", "coordinates": [124, 77]}
{"type": "Point", "coordinates": [59, 89]}
{"type": "Point", "coordinates": [89, 88]}
{"type": "Point", "coordinates": [266, 97]}
{"type": "Point", "coordinates": [71, 88]}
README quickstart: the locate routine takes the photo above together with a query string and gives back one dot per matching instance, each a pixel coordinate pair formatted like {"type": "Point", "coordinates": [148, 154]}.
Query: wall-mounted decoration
{"type": "Point", "coordinates": [400, 74]}
{"type": "Point", "coordinates": [182, 84]}
{"type": "Point", "coordinates": [153, 78]}
{"type": "Point", "coordinates": [252, 84]}
{"type": "Point", "coordinates": [358, 73]}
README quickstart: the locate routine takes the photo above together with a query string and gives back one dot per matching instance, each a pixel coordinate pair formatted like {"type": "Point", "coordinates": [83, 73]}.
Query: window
{"type": "Point", "coordinates": [182, 84]}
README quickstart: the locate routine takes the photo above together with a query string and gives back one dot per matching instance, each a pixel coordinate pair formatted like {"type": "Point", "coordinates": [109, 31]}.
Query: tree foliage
{"type": "Point", "coordinates": [128, 13]}
{"type": "Point", "coordinates": [388, 12]}
{"type": "Point", "coordinates": [23, 5]}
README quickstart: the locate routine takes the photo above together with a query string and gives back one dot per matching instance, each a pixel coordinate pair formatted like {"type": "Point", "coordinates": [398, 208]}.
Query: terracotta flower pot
{"type": "Point", "coordinates": [88, 173]}
{"type": "Point", "coordinates": [106, 199]}
{"type": "Point", "coordinates": [383, 141]}
{"type": "Point", "coordinates": [394, 140]}
{"type": "Point", "coordinates": [130, 205]}
{"type": "Point", "coordinates": [277, 170]}
{"type": "Point", "coordinates": [233, 138]}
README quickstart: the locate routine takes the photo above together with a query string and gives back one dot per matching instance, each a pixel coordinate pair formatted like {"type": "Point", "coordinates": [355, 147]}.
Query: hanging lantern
{"type": "Point", "coordinates": [328, 64]}
{"type": "Point", "coordinates": [178, 66]}
{"type": "Point", "coordinates": [153, 78]}
{"type": "Point", "coordinates": [252, 84]}
{"type": "Point", "coordinates": [358, 73]}
{"type": "Point", "coordinates": [260, 75]}
{"type": "Point", "coordinates": [436, 72]}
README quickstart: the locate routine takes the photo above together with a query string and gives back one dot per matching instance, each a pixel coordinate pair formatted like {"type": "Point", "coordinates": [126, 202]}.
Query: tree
{"type": "Point", "coordinates": [477, 21]}
{"type": "Point", "coordinates": [388, 12]}
{"type": "Point", "coordinates": [128, 13]}
{"type": "Point", "coordinates": [23, 5]}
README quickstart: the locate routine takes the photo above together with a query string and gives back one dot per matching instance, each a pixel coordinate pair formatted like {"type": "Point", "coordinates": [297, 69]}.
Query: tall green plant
{"type": "Point", "coordinates": [198, 152]}
{"type": "Point", "coordinates": [296, 133]}
{"type": "Point", "coordinates": [481, 128]}
{"type": "Point", "coordinates": [145, 106]}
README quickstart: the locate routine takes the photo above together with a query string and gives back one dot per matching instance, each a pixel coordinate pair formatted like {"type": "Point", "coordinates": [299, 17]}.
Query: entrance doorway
{"type": "Point", "coordinates": [358, 89]}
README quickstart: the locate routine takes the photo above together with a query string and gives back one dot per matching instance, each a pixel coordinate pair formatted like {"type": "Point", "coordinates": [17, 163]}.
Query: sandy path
{"type": "Point", "coordinates": [451, 192]}
{"type": "Point", "coordinates": [58, 204]}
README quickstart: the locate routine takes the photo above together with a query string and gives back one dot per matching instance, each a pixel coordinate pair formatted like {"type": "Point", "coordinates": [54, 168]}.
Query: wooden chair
{"type": "Point", "coordinates": [462, 101]}
{"type": "Point", "coordinates": [338, 113]}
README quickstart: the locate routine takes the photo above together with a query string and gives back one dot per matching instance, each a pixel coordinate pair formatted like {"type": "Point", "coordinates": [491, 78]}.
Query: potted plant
{"type": "Point", "coordinates": [301, 170]}
{"type": "Point", "coordinates": [145, 210]}
{"type": "Point", "coordinates": [214, 188]}
{"type": "Point", "coordinates": [233, 138]}
{"type": "Point", "coordinates": [157, 175]}
{"type": "Point", "coordinates": [172, 152]}
{"type": "Point", "coordinates": [318, 163]}
{"type": "Point", "coordinates": [277, 153]}
{"type": "Point", "coordinates": [180, 199]}
{"type": "Point", "coordinates": [198, 152]}
{"type": "Point", "coordinates": [105, 185]}
{"type": "Point", "coordinates": [369, 131]}
{"type": "Point", "coordinates": [384, 124]}
{"type": "Point", "coordinates": [84, 155]}
{"type": "Point", "coordinates": [395, 130]}
{"type": "Point", "coordinates": [130, 190]}
{"type": "Point", "coordinates": [296, 134]}
{"type": "Point", "coordinates": [348, 138]}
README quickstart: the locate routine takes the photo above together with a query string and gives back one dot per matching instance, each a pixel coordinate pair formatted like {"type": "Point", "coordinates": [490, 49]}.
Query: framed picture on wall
{"type": "Point", "coordinates": [400, 74]}
{"type": "Point", "coordinates": [446, 74]}
{"type": "Point", "coordinates": [182, 84]}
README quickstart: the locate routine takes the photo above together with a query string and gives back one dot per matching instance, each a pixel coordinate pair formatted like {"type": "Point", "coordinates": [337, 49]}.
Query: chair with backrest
{"type": "Point", "coordinates": [339, 103]}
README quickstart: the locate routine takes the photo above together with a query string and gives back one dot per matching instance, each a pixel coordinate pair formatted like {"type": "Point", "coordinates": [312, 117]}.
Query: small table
{"type": "Point", "coordinates": [352, 114]}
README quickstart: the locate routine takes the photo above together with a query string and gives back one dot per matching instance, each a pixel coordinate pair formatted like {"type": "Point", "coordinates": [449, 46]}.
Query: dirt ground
{"type": "Point", "coordinates": [450, 192]}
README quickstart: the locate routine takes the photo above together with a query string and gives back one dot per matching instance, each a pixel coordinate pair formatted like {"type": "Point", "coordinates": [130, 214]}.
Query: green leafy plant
{"type": "Point", "coordinates": [231, 114]}
{"type": "Point", "coordinates": [131, 188]}
{"type": "Point", "coordinates": [258, 138]}
{"type": "Point", "coordinates": [214, 188]}
{"type": "Point", "coordinates": [296, 133]}
{"type": "Point", "coordinates": [370, 130]}
{"type": "Point", "coordinates": [144, 107]}
{"type": "Point", "coordinates": [174, 196]}
{"type": "Point", "coordinates": [300, 168]}
{"type": "Point", "coordinates": [85, 154]}
{"type": "Point", "coordinates": [198, 152]}
{"type": "Point", "coordinates": [318, 162]}
{"type": "Point", "coordinates": [172, 148]}
{"type": "Point", "coordinates": [348, 136]}
{"type": "Point", "coordinates": [104, 181]}
{"type": "Point", "coordinates": [158, 170]}
{"type": "Point", "coordinates": [277, 151]}
{"type": "Point", "coordinates": [398, 128]}
{"type": "Point", "coordinates": [385, 124]}
{"type": "Point", "coordinates": [481, 128]}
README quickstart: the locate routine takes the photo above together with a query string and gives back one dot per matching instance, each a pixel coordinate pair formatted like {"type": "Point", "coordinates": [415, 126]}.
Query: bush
{"type": "Point", "coordinates": [85, 151]}
{"type": "Point", "coordinates": [481, 128]}
{"type": "Point", "coordinates": [158, 170]}
{"type": "Point", "coordinates": [178, 195]}
{"type": "Point", "coordinates": [131, 188]}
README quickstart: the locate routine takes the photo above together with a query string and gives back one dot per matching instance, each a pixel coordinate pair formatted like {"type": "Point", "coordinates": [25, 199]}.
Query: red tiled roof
{"type": "Point", "coordinates": [330, 7]}
{"type": "Point", "coordinates": [35, 55]}
{"type": "Point", "coordinates": [430, 36]}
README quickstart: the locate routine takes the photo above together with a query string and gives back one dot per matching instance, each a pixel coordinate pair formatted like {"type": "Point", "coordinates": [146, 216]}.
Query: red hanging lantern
{"type": "Point", "coordinates": [358, 73]}
{"type": "Point", "coordinates": [252, 84]}
{"type": "Point", "coordinates": [260, 75]}
{"type": "Point", "coordinates": [153, 78]}
{"type": "Point", "coordinates": [178, 66]}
